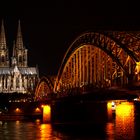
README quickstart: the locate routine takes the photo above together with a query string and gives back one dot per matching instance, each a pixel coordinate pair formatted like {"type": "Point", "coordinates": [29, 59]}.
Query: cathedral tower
{"type": "Point", "coordinates": [19, 51]}
{"type": "Point", "coordinates": [4, 54]}
{"type": "Point", "coordinates": [16, 77]}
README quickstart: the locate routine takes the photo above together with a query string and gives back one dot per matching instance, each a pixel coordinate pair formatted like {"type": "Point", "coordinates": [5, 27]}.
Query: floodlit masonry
{"type": "Point", "coordinates": [16, 75]}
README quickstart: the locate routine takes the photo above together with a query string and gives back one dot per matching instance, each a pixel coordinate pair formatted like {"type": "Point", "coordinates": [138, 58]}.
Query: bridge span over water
{"type": "Point", "coordinates": [96, 66]}
{"type": "Point", "coordinates": [96, 60]}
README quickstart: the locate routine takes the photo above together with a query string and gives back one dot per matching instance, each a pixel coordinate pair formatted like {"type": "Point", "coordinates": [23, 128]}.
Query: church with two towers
{"type": "Point", "coordinates": [15, 74]}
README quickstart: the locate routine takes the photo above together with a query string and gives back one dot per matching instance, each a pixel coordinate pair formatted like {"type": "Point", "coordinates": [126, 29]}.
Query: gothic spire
{"type": "Point", "coordinates": [2, 37]}
{"type": "Point", "coordinates": [19, 41]}
{"type": "Point", "coordinates": [14, 52]}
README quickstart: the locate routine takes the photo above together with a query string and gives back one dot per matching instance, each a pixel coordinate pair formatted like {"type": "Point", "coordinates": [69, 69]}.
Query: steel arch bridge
{"type": "Point", "coordinates": [100, 60]}
{"type": "Point", "coordinates": [44, 88]}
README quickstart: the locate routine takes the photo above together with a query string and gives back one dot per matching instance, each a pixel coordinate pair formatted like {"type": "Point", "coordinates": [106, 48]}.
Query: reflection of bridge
{"type": "Point", "coordinates": [96, 60]}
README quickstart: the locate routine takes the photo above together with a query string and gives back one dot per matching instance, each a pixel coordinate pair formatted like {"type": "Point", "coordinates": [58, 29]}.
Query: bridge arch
{"type": "Point", "coordinates": [119, 52]}
{"type": "Point", "coordinates": [43, 88]}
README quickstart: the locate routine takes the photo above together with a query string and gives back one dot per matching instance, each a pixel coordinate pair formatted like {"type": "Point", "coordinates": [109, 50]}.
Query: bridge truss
{"type": "Point", "coordinates": [96, 60]}
{"type": "Point", "coordinates": [43, 89]}
{"type": "Point", "coordinates": [100, 60]}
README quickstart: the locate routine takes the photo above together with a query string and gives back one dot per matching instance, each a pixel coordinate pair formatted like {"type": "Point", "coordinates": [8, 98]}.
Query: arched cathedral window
{"type": "Point", "coordinates": [20, 58]}
{"type": "Point", "coordinates": [17, 82]}
{"type": "Point", "coordinates": [2, 58]}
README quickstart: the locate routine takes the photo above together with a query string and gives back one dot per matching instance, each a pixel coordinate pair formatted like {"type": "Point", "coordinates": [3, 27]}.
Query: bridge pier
{"type": "Point", "coordinates": [81, 112]}
{"type": "Point", "coordinates": [133, 81]}
{"type": "Point", "coordinates": [46, 113]}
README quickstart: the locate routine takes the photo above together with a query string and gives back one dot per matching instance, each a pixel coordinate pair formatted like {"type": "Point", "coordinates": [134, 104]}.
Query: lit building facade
{"type": "Point", "coordinates": [15, 75]}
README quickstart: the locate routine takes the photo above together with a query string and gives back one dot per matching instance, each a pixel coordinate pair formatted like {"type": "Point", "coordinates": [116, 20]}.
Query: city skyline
{"type": "Point", "coordinates": [49, 29]}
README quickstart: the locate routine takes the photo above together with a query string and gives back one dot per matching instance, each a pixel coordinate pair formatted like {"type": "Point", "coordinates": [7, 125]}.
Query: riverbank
{"type": "Point", "coordinates": [20, 110]}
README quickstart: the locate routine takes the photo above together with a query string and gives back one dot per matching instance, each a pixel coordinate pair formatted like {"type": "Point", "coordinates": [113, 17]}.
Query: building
{"type": "Point", "coordinates": [15, 75]}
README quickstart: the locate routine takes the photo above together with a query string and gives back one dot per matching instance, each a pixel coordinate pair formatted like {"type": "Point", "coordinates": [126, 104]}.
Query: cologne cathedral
{"type": "Point", "coordinates": [15, 75]}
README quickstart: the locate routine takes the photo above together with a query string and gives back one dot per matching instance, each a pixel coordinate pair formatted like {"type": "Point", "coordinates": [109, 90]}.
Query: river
{"type": "Point", "coordinates": [123, 123]}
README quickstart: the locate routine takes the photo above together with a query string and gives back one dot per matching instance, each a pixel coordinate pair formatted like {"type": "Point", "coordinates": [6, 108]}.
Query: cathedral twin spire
{"type": "Point", "coordinates": [2, 37]}
{"type": "Point", "coordinates": [19, 51]}
{"type": "Point", "coordinates": [4, 60]}
{"type": "Point", "coordinates": [19, 41]}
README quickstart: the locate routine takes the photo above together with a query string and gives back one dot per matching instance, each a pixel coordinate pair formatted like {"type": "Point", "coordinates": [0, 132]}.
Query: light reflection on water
{"type": "Point", "coordinates": [121, 121]}
{"type": "Point", "coordinates": [16, 130]}
{"type": "Point", "coordinates": [120, 126]}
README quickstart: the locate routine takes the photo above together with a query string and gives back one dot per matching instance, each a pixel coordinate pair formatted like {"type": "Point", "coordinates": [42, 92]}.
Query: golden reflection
{"type": "Point", "coordinates": [111, 107]}
{"type": "Point", "coordinates": [17, 122]}
{"type": "Point", "coordinates": [123, 122]}
{"type": "Point", "coordinates": [37, 121]}
{"type": "Point", "coordinates": [45, 131]}
{"type": "Point", "coordinates": [110, 131]}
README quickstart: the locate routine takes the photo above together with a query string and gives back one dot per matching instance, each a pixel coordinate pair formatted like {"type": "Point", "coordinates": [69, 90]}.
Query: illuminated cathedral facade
{"type": "Point", "coordinates": [15, 75]}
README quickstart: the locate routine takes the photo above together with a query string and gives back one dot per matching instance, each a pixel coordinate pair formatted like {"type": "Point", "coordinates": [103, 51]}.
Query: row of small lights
{"type": "Point", "coordinates": [37, 109]}
{"type": "Point", "coordinates": [19, 110]}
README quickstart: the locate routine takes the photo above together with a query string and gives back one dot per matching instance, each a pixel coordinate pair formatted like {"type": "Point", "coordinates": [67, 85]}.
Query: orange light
{"type": "Point", "coordinates": [37, 121]}
{"type": "Point", "coordinates": [46, 113]}
{"type": "Point", "coordinates": [37, 110]}
{"type": "Point", "coordinates": [17, 110]}
{"type": "Point", "coordinates": [47, 109]}
{"type": "Point", "coordinates": [124, 109]}
{"type": "Point", "coordinates": [123, 120]}
{"type": "Point", "coordinates": [17, 122]}
{"type": "Point", "coordinates": [45, 131]}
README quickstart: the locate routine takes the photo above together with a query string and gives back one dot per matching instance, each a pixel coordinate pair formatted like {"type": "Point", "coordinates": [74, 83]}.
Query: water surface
{"type": "Point", "coordinates": [123, 124]}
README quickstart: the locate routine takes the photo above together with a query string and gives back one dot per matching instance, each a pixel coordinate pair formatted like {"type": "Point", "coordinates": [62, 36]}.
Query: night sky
{"type": "Point", "coordinates": [50, 27]}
